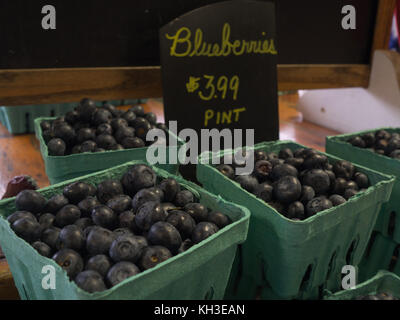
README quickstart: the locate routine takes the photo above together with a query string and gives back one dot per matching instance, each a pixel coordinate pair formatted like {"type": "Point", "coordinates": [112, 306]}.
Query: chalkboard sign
{"type": "Point", "coordinates": [110, 49]}
{"type": "Point", "coordinates": [219, 68]}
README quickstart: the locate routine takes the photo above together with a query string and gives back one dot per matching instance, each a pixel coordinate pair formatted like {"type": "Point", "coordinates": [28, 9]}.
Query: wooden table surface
{"type": "Point", "coordinates": [20, 155]}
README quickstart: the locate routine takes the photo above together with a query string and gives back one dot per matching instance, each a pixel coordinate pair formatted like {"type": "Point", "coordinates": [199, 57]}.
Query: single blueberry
{"type": "Point", "coordinates": [90, 281]}
{"type": "Point", "coordinates": [70, 261]}
{"type": "Point", "coordinates": [121, 271]}
{"type": "Point", "coordinates": [153, 256]}
{"type": "Point", "coordinates": [203, 230]}
{"type": "Point", "coordinates": [30, 200]}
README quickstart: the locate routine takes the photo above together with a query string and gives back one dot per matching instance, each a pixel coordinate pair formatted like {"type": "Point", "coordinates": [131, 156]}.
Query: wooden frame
{"type": "Point", "coordinates": [37, 86]}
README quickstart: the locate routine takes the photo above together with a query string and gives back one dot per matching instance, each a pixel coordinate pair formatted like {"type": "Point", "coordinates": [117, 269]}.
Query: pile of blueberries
{"type": "Point", "coordinates": [300, 183]}
{"type": "Point", "coordinates": [101, 235]}
{"type": "Point", "coordinates": [89, 128]}
{"type": "Point", "coordinates": [379, 296]}
{"type": "Point", "coordinates": [381, 142]}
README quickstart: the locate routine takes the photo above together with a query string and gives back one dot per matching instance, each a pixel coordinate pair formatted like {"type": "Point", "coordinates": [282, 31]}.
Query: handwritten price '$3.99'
{"type": "Point", "coordinates": [214, 85]}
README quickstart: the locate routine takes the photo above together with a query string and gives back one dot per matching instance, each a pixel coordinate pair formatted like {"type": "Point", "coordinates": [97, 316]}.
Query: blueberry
{"type": "Point", "coordinates": [122, 231]}
{"type": "Point", "coordinates": [127, 220]}
{"type": "Point", "coordinates": [317, 205]}
{"type": "Point", "coordinates": [109, 189]}
{"type": "Point", "coordinates": [90, 281]}
{"type": "Point", "coordinates": [186, 245]}
{"type": "Point", "coordinates": [138, 177]}
{"type": "Point", "coordinates": [121, 271]}
{"type": "Point", "coordinates": [369, 139]}
{"type": "Point", "coordinates": [108, 106]}
{"type": "Point", "coordinates": [307, 194]}
{"type": "Point", "coordinates": [183, 222]}
{"type": "Point", "coordinates": [264, 191]}
{"type": "Point", "coordinates": [46, 220]}
{"type": "Point", "coordinates": [339, 186]}
{"type": "Point", "coordinates": [105, 141]}
{"type": "Point", "coordinates": [343, 169]}
{"type": "Point", "coordinates": [50, 236]}
{"type": "Point", "coordinates": [88, 146]}
{"type": "Point", "coordinates": [85, 134]}
{"type": "Point", "coordinates": [219, 219]}
{"type": "Point", "coordinates": [357, 141]}
{"type": "Point", "coordinates": [87, 205]}
{"type": "Point", "coordinates": [118, 123]}
{"type": "Point", "coordinates": [381, 144]}
{"type": "Point", "coordinates": [71, 237]}
{"type": "Point", "coordinates": [226, 170]}
{"type": "Point", "coordinates": [117, 147]}
{"type": "Point", "coordinates": [42, 248]}
{"type": "Point", "coordinates": [130, 117]}
{"type": "Point", "coordinates": [143, 196]}
{"type": "Point", "coordinates": [295, 210]}
{"type": "Point", "coordinates": [142, 241]}
{"type": "Point", "coordinates": [151, 117]}
{"type": "Point", "coordinates": [361, 179]}
{"type": "Point", "coordinates": [138, 110]}
{"type": "Point", "coordinates": [152, 256]}
{"type": "Point", "coordinates": [148, 214]}
{"type": "Point", "coordinates": [120, 203]}
{"type": "Point", "coordinates": [393, 144]}
{"type": "Point", "coordinates": [159, 192]}
{"type": "Point", "coordinates": [281, 170]}
{"type": "Point", "coordinates": [249, 183]}
{"type": "Point", "coordinates": [101, 116]}
{"type": "Point", "coordinates": [318, 179]}
{"type": "Point", "coordinates": [295, 162]}
{"type": "Point", "coordinates": [337, 199]}
{"type": "Point", "coordinates": [395, 154]}
{"type": "Point", "coordinates": [47, 135]}
{"type": "Point", "coordinates": [104, 217]}
{"type": "Point", "coordinates": [197, 211]}
{"type": "Point", "coordinates": [260, 155]}
{"type": "Point", "coordinates": [86, 109]}
{"type": "Point", "coordinates": [278, 207]}
{"type": "Point", "coordinates": [45, 125]}
{"type": "Point", "coordinates": [56, 147]}
{"type": "Point", "coordinates": [348, 193]}
{"type": "Point", "coordinates": [30, 200]}
{"type": "Point", "coordinates": [18, 215]}
{"type": "Point", "coordinates": [67, 215]}
{"type": "Point", "coordinates": [99, 241]}
{"type": "Point", "coordinates": [66, 133]}
{"type": "Point", "coordinates": [132, 143]}
{"type": "Point", "coordinates": [315, 161]}
{"type": "Point", "coordinates": [83, 223]}
{"type": "Point", "coordinates": [262, 169]}
{"type": "Point", "coordinates": [104, 128]}
{"type": "Point", "coordinates": [76, 192]}
{"type": "Point", "coordinates": [170, 187]}
{"type": "Point", "coordinates": [272, 156]}
{"type": "Point", "coordinates": [382, 134]}
{"type": "Point", "coordinates": [351, 185]}
{"type": "Point", "coordinates": [166, 235]}
{"type": "Point", "coordinates": [124, 132]}
{"type": "Point", "coordinates": [76, 149]}
{"type": "Point", "coordinates": [55, 203]}
{"type": "Point", "coordinates": [100, 263]}
{"type": "Point", "coordinates": [203, 230]}
{"type": "Point", "coordinates": [285, 153]}
{"type": "Point", "coordinates": [332, 178]}
{"type": "Point", "coordinates": [142, 126]}
{"type": "Point", "coordinates": [70, 261]}
{"type": "Point", "coordinates": [287, 189]}
{"type": "Point", "coordinates": [125, 248]}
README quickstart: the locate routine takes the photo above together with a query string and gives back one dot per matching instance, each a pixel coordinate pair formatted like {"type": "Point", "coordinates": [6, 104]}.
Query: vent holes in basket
{"type": "Point", "coordinates": [321, 289]}
{"type": "Point", "coordinates": [395, 258]}
{"type": "Point", "coordinates": [331, 265]}
{"type": "Point", "coordinates": [350, 252]}
{"type": "Point", "coordinates": [392, 223]}
{"type": "Point", "coordinates": [27, 122]}
{"type": "Point", "coordinates": [370, 244]}
{"type": "Point", "coordinates": [210, 294]}
{"type": "Point", "coordinates": [306, 277]}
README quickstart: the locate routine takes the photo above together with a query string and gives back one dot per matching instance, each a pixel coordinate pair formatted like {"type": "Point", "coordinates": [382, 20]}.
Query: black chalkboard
{"type": "Point", "coordinates": [103, 33]}
{"type": "Point", "coordinates": [219, 68]}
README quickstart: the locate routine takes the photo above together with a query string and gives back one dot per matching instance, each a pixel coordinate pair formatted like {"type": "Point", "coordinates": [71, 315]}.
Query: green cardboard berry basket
{"type": "Point", "coordinates": [201, 272]}
{"type": "Point", "coordinates": [382, 282]}
{"type": "Point", "coordinates": [382, 254]}
{"type": "Point", "coordinates": [61, 168]}
{"type": "Point", "coordinates": [20, 119]}
{"type": "Point", "coordinates": [285, 259]}
{"type": "Point", "coordinates": [388, 222]}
